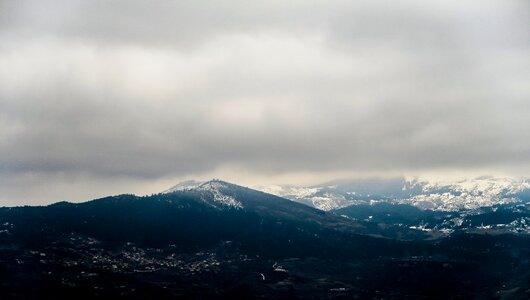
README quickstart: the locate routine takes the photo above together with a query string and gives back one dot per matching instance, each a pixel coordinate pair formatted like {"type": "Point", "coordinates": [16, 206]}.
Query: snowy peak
{"type": "Point", "coordinates": [443, 196]}
{"type": "Point", "coordinates": [190, 185]}
{"type": "Point", "coordinates": [222, 195]}
{"type": "Point", "coordinates": [185, 185]}
{"type": "Point", "coordinates": [342, 193]}
{"type": "Point", "coordinates": [218, 190]}
{"type": "Point", "coordinates": [213, 191]}
{"type": "Point", "coordinates": [488, 186]}
{"type": "Point", "coordinates": [469, 194]}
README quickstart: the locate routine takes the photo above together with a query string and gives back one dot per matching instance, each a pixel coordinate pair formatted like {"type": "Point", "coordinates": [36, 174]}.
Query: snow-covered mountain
{"type": "Point", "coordinates": [495, 204]}
{"type": "Point", "coordinates": [470, 194]}
{"type": "Point", "coordinates": [185, 185]}
{"type": "Point", "coordinates": [441, 196]}
{"type": "Point", "coordinates": [213, 189]}
{"type": "Point", "coordinates": [228, 196]}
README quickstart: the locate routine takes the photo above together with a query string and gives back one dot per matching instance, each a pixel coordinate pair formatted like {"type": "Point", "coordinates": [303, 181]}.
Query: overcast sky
{"type": "Point", "coordinates": [106, 97]}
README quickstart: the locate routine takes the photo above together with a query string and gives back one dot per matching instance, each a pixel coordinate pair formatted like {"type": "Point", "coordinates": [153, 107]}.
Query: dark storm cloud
{"type": "Point", "coordinates": [108, 91]}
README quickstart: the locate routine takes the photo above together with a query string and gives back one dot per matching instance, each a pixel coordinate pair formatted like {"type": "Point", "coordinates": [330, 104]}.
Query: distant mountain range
{"type": "Point", "coordinates": [439, 196]}
{"type": "Point", "coordinates": [480, 204]}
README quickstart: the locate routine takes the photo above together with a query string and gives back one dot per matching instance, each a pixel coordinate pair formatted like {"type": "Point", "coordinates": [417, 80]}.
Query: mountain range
{"type": "Point", "coordinates": [440, 196]}
{"type": "Point", "coordinates": [217, 240]}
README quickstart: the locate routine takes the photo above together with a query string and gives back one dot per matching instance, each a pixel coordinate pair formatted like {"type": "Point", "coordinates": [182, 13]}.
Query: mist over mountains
{"type": "Point", "coordinates": [106, 105]}
{"type": "Point", "coordinates": [464, 194]}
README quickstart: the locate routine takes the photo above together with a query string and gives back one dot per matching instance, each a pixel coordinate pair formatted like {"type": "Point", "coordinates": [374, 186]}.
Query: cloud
{"type": "Point", "coordinates": [110, 92]}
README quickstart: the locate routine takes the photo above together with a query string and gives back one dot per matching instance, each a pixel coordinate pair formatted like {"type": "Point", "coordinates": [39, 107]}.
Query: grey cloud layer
{"type": "Point", "coordinates": [131, 90]}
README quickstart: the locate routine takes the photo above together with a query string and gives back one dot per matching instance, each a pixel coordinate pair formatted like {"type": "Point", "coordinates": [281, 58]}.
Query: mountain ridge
{"type": "Point", "coordinates": [189, 244]}
{"type": "Point", "coordinates": [443, 196]}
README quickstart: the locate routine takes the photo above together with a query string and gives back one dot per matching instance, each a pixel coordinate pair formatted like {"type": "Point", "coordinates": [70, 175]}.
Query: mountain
{"type": "Point", "coordinates": [440, 196]}
{"type": "Point", "coordinates": [199, 216]}
{"type": "Point", "coordinates": [217, 240]}
{"type": "Point", "coordinates": [215, 192]}
{"type": "Point", "coordinates": [223, 195]}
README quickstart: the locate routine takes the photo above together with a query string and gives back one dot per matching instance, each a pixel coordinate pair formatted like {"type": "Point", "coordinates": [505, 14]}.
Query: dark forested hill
{"type": "Point", "coordinates": [197, 218]}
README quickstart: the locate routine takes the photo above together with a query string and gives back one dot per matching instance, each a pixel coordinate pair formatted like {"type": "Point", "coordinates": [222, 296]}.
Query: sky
{"type": "Point", "coordinates": [107, 97]}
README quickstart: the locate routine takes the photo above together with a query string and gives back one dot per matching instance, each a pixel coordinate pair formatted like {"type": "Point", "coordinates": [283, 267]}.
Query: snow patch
{"type": "Point", "coordinates": [213, 187]}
